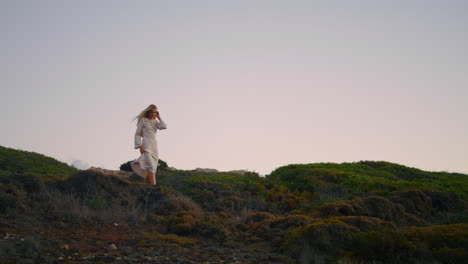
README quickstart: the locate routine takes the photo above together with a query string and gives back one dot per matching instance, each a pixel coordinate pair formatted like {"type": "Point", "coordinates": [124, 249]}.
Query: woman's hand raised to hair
{"type": "Point", "coordinates": [157, 115]}
{"type": "Point", "coordinates": [142, 149]}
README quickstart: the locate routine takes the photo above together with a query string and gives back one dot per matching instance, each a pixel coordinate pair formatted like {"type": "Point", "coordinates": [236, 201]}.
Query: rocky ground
{"type": "Point", "coordinates": [53, 223]}
{"type": "Point", "coordinates": [121, 243]}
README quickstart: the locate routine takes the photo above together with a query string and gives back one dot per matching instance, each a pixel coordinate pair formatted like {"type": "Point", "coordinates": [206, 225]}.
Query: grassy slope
{"type": "Point", "coordinates": [19, 161]}
{"type": "Point", "coordinates": [368, 177]}
{"type": "Point", "coordinates": [378, 177]}
{"type": "Point", "coordinates": [277, 193]}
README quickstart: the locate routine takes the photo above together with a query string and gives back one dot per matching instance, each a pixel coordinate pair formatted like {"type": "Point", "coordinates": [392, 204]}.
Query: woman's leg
{"type": "Point", "coordinates": [152, 173]}
{"type": "Point", "coordinates": [150, 178]}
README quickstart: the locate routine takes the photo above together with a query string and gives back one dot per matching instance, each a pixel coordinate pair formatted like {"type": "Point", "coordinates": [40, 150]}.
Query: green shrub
{"type": "Point", "coordinates": [367, 177]}
{"type": "Point", "coordinates": [97, 203]}
{"type": "Point", "coordinates": [325, 238]}
{"type": "Point", "coordinates": [447, 243]}
{"type": "Point", "coordinates": [126, 166]}
{"type": "Point", "coordinates": [24, 162]}
{"type": "Point", "coordinates": [440, 244]}
{"type": "Point", "coordinates": [384, 245]}
{"type": "Point", "coordinates": [226, 180]}
{"type": "Point", "coordinates": [183, 222]}
{"type": "Point", "coordinates": [162, 165]}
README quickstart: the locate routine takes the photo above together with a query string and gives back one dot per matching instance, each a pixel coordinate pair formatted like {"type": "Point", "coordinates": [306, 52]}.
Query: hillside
{"type": "Point", "coordinates": [367, 177]}
{"type": "Point", "coordinates": [25, 162]}
{"type": "Point", "coordinates": [363, 212]}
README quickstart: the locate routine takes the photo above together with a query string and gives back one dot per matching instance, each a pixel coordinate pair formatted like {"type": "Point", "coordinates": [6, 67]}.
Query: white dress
{"type": "Point", "coordinates": [145, 136]}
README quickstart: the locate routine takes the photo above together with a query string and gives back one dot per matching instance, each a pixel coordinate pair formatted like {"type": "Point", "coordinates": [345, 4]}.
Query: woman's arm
{"type": "Point", "coordinates": [161, 125]}
{"type": "Point", "coordinates": [139, 135]}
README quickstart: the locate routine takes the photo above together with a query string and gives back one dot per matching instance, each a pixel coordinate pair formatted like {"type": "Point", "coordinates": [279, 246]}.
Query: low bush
{"type": "Point", "coordinates": [14, 161]}
{"type": "Point", "coordinates": [445, 243]}
{"type": "Point", "coordinates": [162, 165]}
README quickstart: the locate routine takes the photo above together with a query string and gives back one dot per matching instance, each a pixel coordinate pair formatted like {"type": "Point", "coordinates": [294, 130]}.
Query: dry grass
{"type": "Point", "coordinates": [68, 207]}
{"type": "Point", "coordinates": [172, 238]}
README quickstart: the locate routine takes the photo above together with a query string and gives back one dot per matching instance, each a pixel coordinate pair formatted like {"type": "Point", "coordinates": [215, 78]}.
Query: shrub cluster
{"type": "Point", "coordinates": [364, 212]}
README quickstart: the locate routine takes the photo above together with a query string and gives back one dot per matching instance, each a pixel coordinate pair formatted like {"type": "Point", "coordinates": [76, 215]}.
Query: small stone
{"type": "Point", "coordinates": [112, 247]}
{"type": "Point", "coordinates": [65, 247]}
{"type": "Point", "coordinates": [116, 225]}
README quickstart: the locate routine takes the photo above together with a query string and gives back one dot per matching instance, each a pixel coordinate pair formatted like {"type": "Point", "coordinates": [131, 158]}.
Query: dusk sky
{"type": "Point", "coordinates": [249, 85]}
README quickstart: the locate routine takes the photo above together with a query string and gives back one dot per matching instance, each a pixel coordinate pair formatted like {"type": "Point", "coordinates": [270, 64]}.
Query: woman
{"type": "Point", "coordinates": [149, 121]}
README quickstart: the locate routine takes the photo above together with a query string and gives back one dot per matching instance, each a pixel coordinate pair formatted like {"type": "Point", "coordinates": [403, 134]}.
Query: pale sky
{"type": "Point", "coordinates": [249, 84]}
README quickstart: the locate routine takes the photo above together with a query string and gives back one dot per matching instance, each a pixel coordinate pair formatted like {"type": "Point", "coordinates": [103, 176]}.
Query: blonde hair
{"type": "Point", "coordinates": [144, 113]}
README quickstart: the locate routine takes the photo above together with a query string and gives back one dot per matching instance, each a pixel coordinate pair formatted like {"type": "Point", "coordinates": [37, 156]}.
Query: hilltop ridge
{"type": "Point", "coordinates": [21, 161]}
{"type": "Point", "coordinates": [299, 213]}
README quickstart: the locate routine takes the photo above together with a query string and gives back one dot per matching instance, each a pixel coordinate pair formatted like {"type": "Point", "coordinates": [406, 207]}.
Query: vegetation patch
{"type": "Point", "coordinates": [363, 212]}
{"type": "Point", "coordinates": [14, 161]}
{"type": "Point", "coordinates": [368, 177]}
{"type": "Point", "coordinates": [171, 238]}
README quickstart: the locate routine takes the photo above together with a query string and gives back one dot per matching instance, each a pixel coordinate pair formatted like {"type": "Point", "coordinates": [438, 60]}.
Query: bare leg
{"type": "Point", "coordinates": [150, 178]}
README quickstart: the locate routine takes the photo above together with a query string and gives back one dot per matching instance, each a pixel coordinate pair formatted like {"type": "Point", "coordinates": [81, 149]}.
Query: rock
{"type": "Point", "coordinates": [112, 247]}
